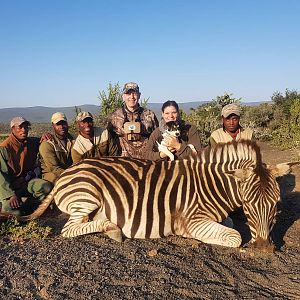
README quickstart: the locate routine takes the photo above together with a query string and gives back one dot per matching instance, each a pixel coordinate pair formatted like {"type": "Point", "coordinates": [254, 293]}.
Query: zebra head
{"type": "Point", "coordinates": [260, 193]}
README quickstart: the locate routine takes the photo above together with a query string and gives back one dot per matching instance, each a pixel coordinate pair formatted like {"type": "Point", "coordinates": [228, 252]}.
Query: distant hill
{"type": "Point", "coordinates": [42, 114]}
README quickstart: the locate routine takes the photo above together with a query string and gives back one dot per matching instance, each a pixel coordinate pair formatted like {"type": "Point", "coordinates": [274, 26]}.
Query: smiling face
{"type": "Point", "coordinates": [231, 123]}
{"type": "Point", "coordinates": [61, 129]}
{"type": "Point", "coordinates": [86, 127]}
{"type": "Point", "coordinates": [131, 99]}
{"type": "Point", "coordinates": [170, 113]}
{"type": "Point", "coordinates": [21, 131]}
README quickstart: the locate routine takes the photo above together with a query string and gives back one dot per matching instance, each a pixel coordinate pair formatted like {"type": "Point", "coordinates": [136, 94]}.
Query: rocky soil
{"type": "Point", "coordinates": [94, 267]}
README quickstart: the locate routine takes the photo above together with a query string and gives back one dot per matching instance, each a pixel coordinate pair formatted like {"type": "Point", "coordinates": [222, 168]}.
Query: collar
{"type": "Point", "coordinates": [233, 134]}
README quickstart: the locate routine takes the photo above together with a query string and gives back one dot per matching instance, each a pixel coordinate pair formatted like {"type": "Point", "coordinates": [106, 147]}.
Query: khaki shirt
{"type": "Point", "coordinates": [102, 144]}
{"type": "Point", "coordinates": [55, 157]}
{"type": "Point", "coordinates": [222, 136]}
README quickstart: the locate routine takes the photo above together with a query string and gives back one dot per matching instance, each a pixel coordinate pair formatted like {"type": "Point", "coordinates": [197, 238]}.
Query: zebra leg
{"type": "Point", "coordinates": [211, 232]}
{"type": "Point", "coordinates": [75, 227]}
{"type": "Point", "coordinates": [112, 230]}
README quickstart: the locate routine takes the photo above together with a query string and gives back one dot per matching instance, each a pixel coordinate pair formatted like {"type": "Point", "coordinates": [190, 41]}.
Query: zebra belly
{"type": "Point", "coordinates": [151, 229]}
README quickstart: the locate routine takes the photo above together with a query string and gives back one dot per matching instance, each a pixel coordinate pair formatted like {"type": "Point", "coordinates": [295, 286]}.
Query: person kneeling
{"type": "Point", "coordinates": [21, 189]}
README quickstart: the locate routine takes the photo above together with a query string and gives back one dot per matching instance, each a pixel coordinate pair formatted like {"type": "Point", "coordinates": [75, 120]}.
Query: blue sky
{"type": "Point", "coordinates": [62, 52]}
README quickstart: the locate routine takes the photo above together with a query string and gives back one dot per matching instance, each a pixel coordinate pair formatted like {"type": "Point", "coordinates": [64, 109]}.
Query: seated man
{"type": "Point", "coordinates": [92, 142]}
{"type": "Point", "coordinates": [132, 123]}
{"type": "Point", "coordinates": [21, 190]}
{"type": "Point", "coordinates": [55, 153]}
{"type": "Point", "coordinates": [231, 130]}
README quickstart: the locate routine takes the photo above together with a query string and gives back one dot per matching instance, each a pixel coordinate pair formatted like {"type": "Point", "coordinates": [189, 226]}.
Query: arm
{"type": "Point", "coordinates": [50, 159]}
{"type": "Point", "coordinates": [76, 157]}
{"type": "Point", "coordinates": [185, 150]}
{"type": "Point", "coordinates": [151, 150]}
{"type": "Point", "coordinates": [5, 180]}
{"type": "Point", "coordinates": [114, 147]}
{"type": "Point", "coordinates": [212, 142]}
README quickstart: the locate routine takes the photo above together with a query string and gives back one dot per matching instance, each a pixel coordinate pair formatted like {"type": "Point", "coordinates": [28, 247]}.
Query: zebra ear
{"type": "Point", "coordinates": [282, 169]}
{"type": "Point", "coordinates": [241, 174]}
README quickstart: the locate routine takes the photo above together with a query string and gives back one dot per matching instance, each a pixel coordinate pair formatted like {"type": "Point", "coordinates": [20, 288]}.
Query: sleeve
{"type": "Point", "coordinates": [212, 142]}
{"type": "Point", "coordinates": [151, 150]}
{"type": "Point", "coordinates": [185, 150]}
{"type": "Point", "coordinates": [155, 121]}
{"type": "Point", "coordinates": [76, 157]}
{"type": "Point", "coordinates": [5, 180]}
{"type": "Point", "coordinates": [114, 147]}
{"type": "Point", "coordinates": [115, 122]}
{"type": "Point", "coordinates": [50, 159]}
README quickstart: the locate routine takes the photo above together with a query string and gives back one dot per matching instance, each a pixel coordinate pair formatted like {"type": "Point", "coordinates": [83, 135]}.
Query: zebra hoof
{"type": "Point", "coordinates": [115, 235]}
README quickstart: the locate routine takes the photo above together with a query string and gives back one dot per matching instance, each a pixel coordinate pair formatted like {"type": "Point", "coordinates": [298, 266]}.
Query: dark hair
{"type": "Point", "coordinates": [170, 103]}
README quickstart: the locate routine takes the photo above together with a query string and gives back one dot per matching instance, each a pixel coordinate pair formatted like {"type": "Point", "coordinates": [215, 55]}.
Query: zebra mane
{"type": "Point", "coordinates": [243, 150]}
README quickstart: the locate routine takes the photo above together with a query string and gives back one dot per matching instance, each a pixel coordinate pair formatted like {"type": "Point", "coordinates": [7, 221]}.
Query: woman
{"type": "Point", "coordinates": [184, 146]}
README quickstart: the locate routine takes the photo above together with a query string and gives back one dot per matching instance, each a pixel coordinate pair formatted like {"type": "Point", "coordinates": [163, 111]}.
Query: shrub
{"type": "Point", "coordinates": [19, 232]}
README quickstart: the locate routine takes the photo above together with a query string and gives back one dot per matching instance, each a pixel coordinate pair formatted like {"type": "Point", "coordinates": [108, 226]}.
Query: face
{"type": "Point", "coordinates": [131, 99]}
{"type": "Point", "coordinates": [21, 131]}
{"type": "Point", "coordinates": [61, 129]}
{"type": "Point", "coordinates": [231, 123]}
{"type": "Point", "coordinates": [86, 127]}
{"type": "Point", "coordinates": [260, 208]}
{"type": "Point", "coordinates": [170, 114]}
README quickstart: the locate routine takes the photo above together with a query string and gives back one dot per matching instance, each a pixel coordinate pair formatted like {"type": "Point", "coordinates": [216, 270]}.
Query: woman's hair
{"type": "Point", "coordinates": [170, 103]}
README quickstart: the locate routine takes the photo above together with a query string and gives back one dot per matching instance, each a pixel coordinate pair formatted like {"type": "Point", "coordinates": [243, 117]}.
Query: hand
{"type": "Point", "coordinates": [172, 143]}
{"type": "Point", "coordinates": [15, 202]}
{"type": "Point", "coordinates": [46, 137]}
{"type": "Point", "coordinates": [162, 154]}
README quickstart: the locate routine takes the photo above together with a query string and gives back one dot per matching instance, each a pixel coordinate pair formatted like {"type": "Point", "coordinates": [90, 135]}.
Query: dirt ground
{"type": "Point", "coordinates": [94, 267]}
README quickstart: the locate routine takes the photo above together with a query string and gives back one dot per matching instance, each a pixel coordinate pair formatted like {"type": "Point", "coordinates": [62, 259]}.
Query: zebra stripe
{"type": "Point", "coordinates": [144, 199]}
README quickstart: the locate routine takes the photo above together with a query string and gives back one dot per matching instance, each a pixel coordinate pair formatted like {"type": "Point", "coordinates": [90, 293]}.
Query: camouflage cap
{"type": "Point", "coordinates": [229, 109]}
{"type": "Point", "coordinates": [130, 86]}
{"type": "Point", "coordinates": [17, 121]}
{"type": "Point", "coordinates": [83, 115]}
{"type": "Point", "coordinates": [58, 116]}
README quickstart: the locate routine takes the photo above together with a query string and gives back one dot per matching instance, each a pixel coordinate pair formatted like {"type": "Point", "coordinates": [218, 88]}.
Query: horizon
{"type": "Point", "coordinates": [66, 52]}
{"type": "Point", "coordinates": [86, 104]}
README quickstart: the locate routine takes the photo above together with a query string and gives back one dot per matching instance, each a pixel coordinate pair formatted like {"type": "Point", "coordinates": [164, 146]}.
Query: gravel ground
{"type": "Point", "coordinates": [95, 267]}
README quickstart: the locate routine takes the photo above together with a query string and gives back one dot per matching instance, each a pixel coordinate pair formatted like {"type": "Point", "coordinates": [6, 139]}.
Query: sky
{"type": "Point", "coordinates": [60, 53]}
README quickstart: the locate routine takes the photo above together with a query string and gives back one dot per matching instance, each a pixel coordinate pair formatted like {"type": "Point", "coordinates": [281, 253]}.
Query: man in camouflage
{"type": "Point", "coordinates": [132, 123]}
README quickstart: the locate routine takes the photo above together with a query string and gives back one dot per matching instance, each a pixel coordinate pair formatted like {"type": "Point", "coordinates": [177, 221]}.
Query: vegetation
{"type": "Point", "coordinates": [112, 99]}
{"type": "Point", "coordinates": [277, 122]}
{"type": "Point", "coordinates": [20, 232]}
{"type": "Point", "coordinates": [207, 116]}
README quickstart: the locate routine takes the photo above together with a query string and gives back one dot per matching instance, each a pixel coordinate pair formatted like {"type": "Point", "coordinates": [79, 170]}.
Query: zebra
{"type": "Point", "coordinates": [144, 199]}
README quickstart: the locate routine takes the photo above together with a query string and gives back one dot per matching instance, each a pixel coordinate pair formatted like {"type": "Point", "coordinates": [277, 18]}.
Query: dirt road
{"type": "Point", "coordinates": [94, 267]}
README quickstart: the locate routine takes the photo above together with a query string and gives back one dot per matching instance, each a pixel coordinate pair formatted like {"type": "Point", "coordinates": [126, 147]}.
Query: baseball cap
{"type": "Point", "coordinates": [83, 115]}
{"type": "Point", "coordinates": [17, 121]}
{"type": "Point", "coordinates": [229, 109]}
{"type": "Point", "coordinates": [58, 116]}
{"type": "Point", "coordinates": [130, 86]}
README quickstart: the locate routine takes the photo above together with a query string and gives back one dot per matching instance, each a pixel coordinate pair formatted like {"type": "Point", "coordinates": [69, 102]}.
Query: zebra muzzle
{"type": "Point", "coordinates": [263, 245]}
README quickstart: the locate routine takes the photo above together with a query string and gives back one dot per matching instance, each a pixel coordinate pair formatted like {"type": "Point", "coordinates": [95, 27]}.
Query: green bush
{"type": "Point", "coordinates": [18, 232]}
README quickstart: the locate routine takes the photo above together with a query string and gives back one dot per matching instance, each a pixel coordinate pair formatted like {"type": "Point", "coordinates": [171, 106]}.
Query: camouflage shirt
{"type": "Point", "coordinates": [145, 117]}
